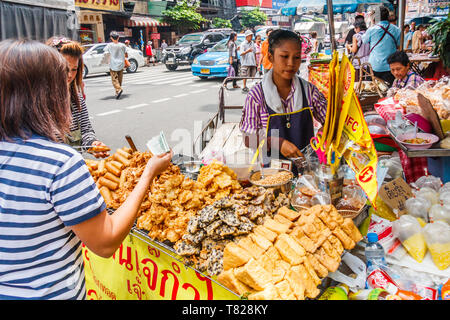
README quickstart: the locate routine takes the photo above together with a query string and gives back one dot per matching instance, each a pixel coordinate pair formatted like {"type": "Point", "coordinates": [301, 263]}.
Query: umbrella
{"type": "Point", "coordinates": [424, 20]}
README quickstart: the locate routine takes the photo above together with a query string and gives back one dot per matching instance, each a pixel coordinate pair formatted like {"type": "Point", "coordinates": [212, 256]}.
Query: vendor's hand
{"type": "Point", "coordinates": [103, 154]}
{"type": "Point", "coordinates": [290, 150]}
{"type": "Point", "coordinates": [158, 164]}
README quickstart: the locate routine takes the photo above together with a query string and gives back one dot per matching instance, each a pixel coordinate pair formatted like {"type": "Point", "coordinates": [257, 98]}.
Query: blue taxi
{"type": "Point", "coordinates": [214, 62]}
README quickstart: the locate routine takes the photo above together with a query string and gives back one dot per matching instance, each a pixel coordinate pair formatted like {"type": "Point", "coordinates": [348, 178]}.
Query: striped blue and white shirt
{"type": "Point", "coordinates": [45, 188]}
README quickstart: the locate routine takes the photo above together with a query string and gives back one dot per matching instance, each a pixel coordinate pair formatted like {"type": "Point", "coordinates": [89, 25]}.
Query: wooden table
{"type": "Point", "coordinates": [417, 59]}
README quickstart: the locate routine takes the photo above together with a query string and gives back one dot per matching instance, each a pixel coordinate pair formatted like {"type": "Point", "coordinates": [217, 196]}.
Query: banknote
{"type": "Point", "coordinates": [158, 144]}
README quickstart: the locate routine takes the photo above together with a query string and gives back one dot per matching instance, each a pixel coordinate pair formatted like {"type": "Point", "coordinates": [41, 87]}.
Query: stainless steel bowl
{"type": "Point", "coordinates": [284, 187]}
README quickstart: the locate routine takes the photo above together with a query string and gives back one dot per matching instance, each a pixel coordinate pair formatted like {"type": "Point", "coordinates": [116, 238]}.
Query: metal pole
{"type": "Point", "coordinates": [331, 22]}
{"type": "Point", "coordinates": [401, 21]}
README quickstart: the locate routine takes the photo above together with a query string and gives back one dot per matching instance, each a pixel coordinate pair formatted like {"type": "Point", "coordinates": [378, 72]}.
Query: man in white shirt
{"type": "Point", "coordinates": [117, 52]}
{"type": "Point", "coordinates": [248, 58]}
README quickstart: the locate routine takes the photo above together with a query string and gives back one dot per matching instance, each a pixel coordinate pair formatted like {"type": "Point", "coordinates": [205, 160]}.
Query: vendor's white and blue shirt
{"type": "Point", "coordinates": [45, 188]}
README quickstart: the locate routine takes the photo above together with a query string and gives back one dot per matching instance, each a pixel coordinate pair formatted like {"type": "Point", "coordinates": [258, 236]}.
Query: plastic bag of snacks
{"type": "Point", "coordinates": [437, 236]}
{"type": "Point", "coordinates": [444, 197]}
{"type": "Point", "coordinates": [429, 193]}
{"type": "Point", "coordinates": [430, 182]}
{"type": "Point", "coordinates": [418, 207]}
{"type": "Point", "coordinates": [383, 210]}
{"type": "Point", "coordinates": [408, 230]}
{"type": "Point", "coordinates": [322, 198]}
{"type": "Point", "coordinates": [440, 212]}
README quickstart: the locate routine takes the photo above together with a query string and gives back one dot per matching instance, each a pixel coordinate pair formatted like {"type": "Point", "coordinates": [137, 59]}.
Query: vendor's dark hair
{"type": "Point", "coordinates": [359, 17]}
{"type": "Point", "coordinates": [384, 14]}
{"type": "Point", "coordinates": [280, 35]}
{"type": "Point", "coordinates": [34, 96]}
{"type": "Point", "coordinates": [361, 25]}
{"type": "Point", "coordinates": [399, 56]}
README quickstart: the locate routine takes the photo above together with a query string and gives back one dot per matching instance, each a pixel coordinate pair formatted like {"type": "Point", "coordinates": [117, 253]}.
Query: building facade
{"type": "Point", "coordinates": [37, 20]}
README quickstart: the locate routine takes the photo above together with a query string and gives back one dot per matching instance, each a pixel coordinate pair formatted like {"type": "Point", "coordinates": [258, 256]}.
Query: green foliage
{"type": "Point", "coordinates": [441, 35]}
{"type": "Point", "coordinates": [221, 23]}
{"type": "Point", "coordinates": [253, 18]}
{"type": "Point", "coordinates": [184, 15]}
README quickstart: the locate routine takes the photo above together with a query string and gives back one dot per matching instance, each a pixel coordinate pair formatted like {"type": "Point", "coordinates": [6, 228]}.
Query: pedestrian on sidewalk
{"type": "Point", "coordinates": [50, 204]}
{"type": "Point", "coordinates": [384, 40]}
{"type": "Point", "coordinates": [258, 54]}
{"type": "Point", "coordinates": [116, 52]}
{"type": "Point", "coordinates": [81, 133]}
{"type": "Point", "coordinates": [248, 58]}
{"type": "Point", "coordinates": [264, 60]}
{"type": "Point", "coordinates": [233, 56]}
{"type": "Point", "coordinates": [149, 53]}
{"type": "Point", "coordinates": [164, 45]}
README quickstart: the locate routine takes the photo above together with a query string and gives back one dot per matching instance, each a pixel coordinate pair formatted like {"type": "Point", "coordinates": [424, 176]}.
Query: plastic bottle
{"type": "Point", "coordinates": [374, 253]}
{"type": "Point", "coordinates": [339, 292]}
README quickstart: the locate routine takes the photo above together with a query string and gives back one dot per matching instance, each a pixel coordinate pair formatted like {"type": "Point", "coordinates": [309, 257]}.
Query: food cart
{"type": "Point", "coordinates": [219, 230]}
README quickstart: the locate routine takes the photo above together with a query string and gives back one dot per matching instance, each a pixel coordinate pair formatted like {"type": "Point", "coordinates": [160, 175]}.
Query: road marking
{"type": "Point", "coordinates": [137, 106]}
{"type": "Point", "coordinates": [198, 91]}
{"type": "Point", "coordinates": [109, 112]}
{"type": "Point", "coordinates": [200, 84]}
{"type": "Point", "coordinates": [160, 100]}
{"type": "Point", "coordinates": [181, 95]}
{"type": "Point", "coordinates": [160, 79]}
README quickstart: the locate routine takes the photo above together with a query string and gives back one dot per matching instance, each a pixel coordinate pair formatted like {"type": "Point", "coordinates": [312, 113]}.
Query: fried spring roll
{"type": "Point", "coordinates": [123, 153]}
{"type": "Point", "coordinates": [112, 177]}
{"type": "Point", "coordinates": [106, 194]}
{"type": "Point", "coordinates": [108, 183]}
{"type": "Point", "coordinates": [122, 159]}
{"type": "Point", "coordinates": [113, 169]}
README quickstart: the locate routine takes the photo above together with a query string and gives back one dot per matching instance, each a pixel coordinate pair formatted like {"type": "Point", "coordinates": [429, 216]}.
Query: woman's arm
{"type": "Point", "coordinates": [104, 233]}
{"type": "Point", "coordinates": [354, 46]}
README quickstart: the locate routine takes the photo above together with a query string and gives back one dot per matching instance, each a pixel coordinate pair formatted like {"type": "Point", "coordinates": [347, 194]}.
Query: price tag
{"type": "Point", "coordinates": [395, 194]}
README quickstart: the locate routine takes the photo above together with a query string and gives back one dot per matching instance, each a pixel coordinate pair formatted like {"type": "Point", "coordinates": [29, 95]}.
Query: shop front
{"type": "Point", "coordinates": [91, 27]}
{"type": "Point", "coordinates": [145, 28]}
{"type": "Point", "coordinates": [37, 20]}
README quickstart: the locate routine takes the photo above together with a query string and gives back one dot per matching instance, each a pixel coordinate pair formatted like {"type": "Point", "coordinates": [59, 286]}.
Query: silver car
{"type": "Point", "coordinates": [93, 56]}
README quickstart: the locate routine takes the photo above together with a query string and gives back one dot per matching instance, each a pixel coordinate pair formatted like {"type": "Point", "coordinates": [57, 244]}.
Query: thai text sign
{"type": "Point", "coordinates": [138, 271]}
{"type": "Point", "coordinates": [111, 5]}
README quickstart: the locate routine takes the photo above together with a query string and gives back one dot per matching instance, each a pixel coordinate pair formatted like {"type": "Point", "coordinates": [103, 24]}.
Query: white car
{"type": "Point", "coordinates": [93, 56]}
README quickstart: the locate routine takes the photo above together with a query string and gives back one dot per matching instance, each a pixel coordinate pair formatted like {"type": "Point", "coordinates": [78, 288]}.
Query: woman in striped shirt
{"type": "Point", "coordinates": [49, 202]}
{"type": "Point", "coordinates": [82, 133]}
{"type": "Point", "coordinates": [282, 107]}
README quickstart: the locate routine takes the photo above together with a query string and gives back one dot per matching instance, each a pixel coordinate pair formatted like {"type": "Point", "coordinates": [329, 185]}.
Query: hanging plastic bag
{"type": "Point", "coordinates": [444, 196]}
{"type": "Point", "coordinates": [409, 231]}
{"type": "Point", "coordinates": [437, 237]}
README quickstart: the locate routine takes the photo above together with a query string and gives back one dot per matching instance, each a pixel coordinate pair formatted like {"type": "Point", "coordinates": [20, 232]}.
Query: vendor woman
{"type": "Point", "coordinates": [401, 70]}
{"type": "Point", "coordinates": [282, 106]}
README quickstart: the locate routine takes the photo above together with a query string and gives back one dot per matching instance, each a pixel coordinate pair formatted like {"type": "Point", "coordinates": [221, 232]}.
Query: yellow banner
{"type": "Point", "coordinates": [139, 271]}
{"type": "Point", "coordinates": [110, 5]}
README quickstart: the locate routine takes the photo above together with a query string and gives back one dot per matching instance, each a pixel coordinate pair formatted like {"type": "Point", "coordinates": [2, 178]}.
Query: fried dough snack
{"type": "Point", "coordinates": [302, 255]}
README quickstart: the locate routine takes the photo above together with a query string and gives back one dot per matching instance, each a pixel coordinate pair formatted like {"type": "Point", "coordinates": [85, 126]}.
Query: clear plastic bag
{"type": "Point", "coordinates": [439, 212]}
{"type": "Point", "coordinates": [306, 184]}
{"type": "Point", "coordinates": [445, 188]}
{"type": "Point", "coordinates": [322, 198]}
{"type": "Point", "coordinates": [408, 230]}
{"type": "Point", "coordinates": [444, 196]}
{"type": "Point", "coordinates": [394, 166]}
{"type": "Point", "coordinates": [418, 207]}
{"type": "Point", "coordinates": [428, 193]}
{"type": "Point", "coordinates": [299, 199]}
{"type": "Point", "coordinates": [437, 237]}
{"type": "Point", "coordinates": [430, 182]}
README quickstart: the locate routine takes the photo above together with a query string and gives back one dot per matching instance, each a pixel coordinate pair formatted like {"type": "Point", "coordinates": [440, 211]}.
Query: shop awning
{"type": "Point", "coordinates": [138, 21]}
